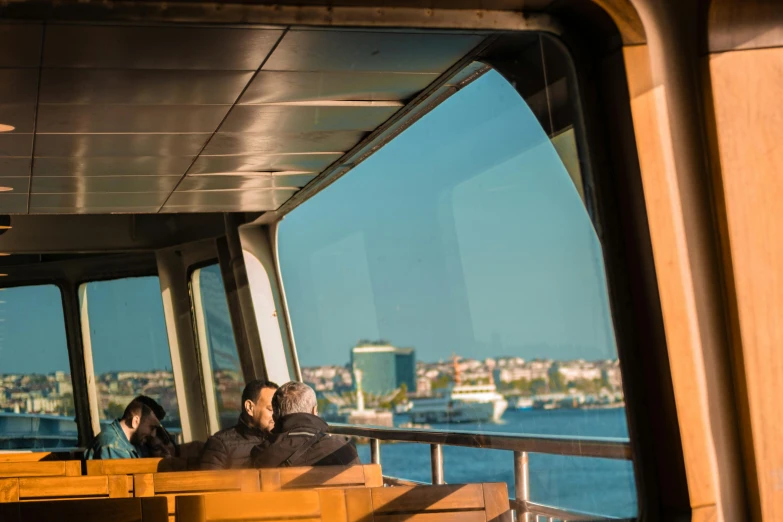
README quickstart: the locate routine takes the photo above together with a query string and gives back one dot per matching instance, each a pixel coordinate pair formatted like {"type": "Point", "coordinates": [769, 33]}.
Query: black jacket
{"type": "Point", "coordinates": [301, 439]}
{"type": "Point", "coordinates": [230, 448]}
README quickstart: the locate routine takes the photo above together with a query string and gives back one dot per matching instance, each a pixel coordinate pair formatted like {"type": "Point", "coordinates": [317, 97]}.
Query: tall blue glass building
{"type": "Point", "coordinates": [384, 367]}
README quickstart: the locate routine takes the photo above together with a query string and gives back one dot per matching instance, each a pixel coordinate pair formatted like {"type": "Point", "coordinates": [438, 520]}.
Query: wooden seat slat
{"type": "Point", "coordinates": [263, 506]}
{"type": "Point", "coordinates": [368, 475]}
{"type": "Point", "coordinates": [422, 498]}
{"type": "Point", "coordinates": [54, 468]}
{"type": "Point", "coordinates": [453, 516]}
{"type": "Point", "coordinates": [42, 488]}
{"type": "Point", "coordinates": [29, 456]}
{"type": "Point", "coordinates": [134, 466]}
{"type": "Point", "coordinates": [89, 510]}
{"type": "Point", "coordinates": [447, 503]}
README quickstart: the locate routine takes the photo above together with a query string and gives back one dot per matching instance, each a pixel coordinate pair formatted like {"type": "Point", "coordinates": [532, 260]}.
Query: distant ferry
{"type": "Point", "coordinates": [461, 403]}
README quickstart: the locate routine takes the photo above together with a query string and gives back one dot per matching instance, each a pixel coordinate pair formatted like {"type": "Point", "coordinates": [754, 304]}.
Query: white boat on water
{"type": "Point", "coordinates": [460, 403]}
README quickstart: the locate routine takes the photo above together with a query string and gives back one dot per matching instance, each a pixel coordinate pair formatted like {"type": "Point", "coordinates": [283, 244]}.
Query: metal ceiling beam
{"type": "Point", "coordinates": [39, 234]}
{"type": "Point", "coordinates": [329, 16]}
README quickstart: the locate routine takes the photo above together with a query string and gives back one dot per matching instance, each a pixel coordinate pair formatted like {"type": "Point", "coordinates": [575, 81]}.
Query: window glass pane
{"type": "Point", "coordinates": [130, 347]}
{"type": "Point", "coordinates": [458, 271]}
{"type": "Point", "coordinates": [36, 393]}
{"type": "Point", "coordinates": [223, 355]}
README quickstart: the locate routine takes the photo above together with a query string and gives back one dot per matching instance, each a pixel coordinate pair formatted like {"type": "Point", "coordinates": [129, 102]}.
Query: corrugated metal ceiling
{"type": "Point", "coordinates": [146, 119]}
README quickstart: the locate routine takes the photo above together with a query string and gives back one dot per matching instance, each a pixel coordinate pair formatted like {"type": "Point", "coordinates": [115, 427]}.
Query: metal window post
{"type": "Point", "coordinates": [375, 451]}
{"type": "Point", "coordinates": [436, 460]}
{"type": "Point", "coordinates": [522, 484]}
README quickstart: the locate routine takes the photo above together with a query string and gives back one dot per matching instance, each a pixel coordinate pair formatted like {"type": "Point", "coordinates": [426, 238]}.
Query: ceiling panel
{"type": "Point", "coordinates": [95, 199]}
{"type": "Point", "coordinates": [245, 182]}
{"type": "Point", "coordinates": [140, 87]}
{"type": "Point", "coordinates": [118, 166]}
{"type": "Point", "coordinates": [13, 203]}
{"type": "Point", "coordinates": [151, 47]}
{"type": "Point", "coordinates": [264, 199]}
{"type": "Point", "coordinates": [96, 210]}
{"type": "Point", "coordinates": [20, 45]}
{"type": "Point", "coordinates": [16, 144]}
{"type": "Point", "coordinates": [118, 145]}
{"type": "Point", "coordinates": [64, 185]}
{"type": "Point", "coordinates": [18, 184]}
{"type": "Point", "coordinates": [328, 50]}
{"type": "Point", "coordinates": [83, 119]}
{"type": "Point", "coordinates": [19, 116]}
{"type": "Point", "coordinates": [275, 118]}
{"type": "Point", "coordinates": [288, 86]}
{"type": "Point", "coordinates": [18, 86]}
{"type": "Point", "coordinates": [235, 143]}
{"type": "Point", "coordinates": [15, 167]}
{"type": "Point", "coordinates": [268, 163]}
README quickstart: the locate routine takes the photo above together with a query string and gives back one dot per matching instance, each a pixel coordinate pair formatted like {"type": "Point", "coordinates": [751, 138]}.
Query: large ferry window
{"type": "Point", "coordinates": [36, 392]}
{"type": "Point", "coordinates": [456, 280]}
{"type": "Point", "coordinates": [130, 349]}
{"type": "Point", "coordinates": [213, 315]}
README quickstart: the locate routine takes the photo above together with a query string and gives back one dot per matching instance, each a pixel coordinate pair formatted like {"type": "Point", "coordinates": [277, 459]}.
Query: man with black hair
{"type": "Point", "coordinates": [230, 448]}
{"type": "Point", "coordinates": [123, 437]}
{"type": "Point", "coordinates": [162, 444]}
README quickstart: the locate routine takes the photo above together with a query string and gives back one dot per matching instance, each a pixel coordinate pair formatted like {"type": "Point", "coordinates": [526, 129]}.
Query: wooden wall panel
{"type": "Point", "coordinates": [650, 114]}
{"type": "Point", "coordinates": [747, 91]}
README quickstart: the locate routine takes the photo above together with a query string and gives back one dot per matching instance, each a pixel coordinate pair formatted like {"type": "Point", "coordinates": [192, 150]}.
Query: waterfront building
{"type": "Point", "coordinates": [385, 367]}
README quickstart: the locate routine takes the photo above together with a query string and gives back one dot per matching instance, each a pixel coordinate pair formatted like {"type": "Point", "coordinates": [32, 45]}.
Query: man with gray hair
{"type": "Point", "coordinates": [300, 437]}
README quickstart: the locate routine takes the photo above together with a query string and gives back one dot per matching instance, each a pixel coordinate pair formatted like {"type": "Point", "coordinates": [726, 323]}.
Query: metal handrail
{"type": "Point", "coordinates": [596, 447]}
{"type": "Point", "coordinates": [521, 445]}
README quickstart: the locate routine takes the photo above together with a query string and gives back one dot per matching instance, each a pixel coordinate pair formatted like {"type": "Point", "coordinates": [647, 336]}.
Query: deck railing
{"type": "Point", "coordinates": [521, 445]}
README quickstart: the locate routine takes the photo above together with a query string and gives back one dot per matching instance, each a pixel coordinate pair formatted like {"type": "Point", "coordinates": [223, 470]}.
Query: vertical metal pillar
{"type": "Point", "coordinates": [375, 451]}
{"type": "Point", "coordinates": [522, 484]}
{"type": "Point", "coordinates": [436, 460]}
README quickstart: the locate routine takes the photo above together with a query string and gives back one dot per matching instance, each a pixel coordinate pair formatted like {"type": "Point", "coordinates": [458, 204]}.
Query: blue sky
{"type": "Point", "coordinates": [463, 235]}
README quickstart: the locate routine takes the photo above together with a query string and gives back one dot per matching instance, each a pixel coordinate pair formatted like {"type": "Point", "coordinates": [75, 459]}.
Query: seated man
{"type": "Point", "coordinates": [300, 437]}
{"type": "Point", "coordinates": [230, 448]}
{"type": "Point", "coordinates": [123, 437]}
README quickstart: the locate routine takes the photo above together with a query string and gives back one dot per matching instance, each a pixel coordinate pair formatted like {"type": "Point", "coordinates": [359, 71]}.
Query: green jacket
{"type": "Point", "coordinates": [111, 443]}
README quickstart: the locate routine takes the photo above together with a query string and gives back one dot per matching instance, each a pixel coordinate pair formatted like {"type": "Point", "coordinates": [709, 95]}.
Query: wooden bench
{"type": "Point", "coordinates": [457, 503]}
{"type": "Point", "coordinates": [54, 468]}
{"type": "Point", "coordinates": [43, 488]}
{"type": "Point", "coordinates": [275, 479]}
{"type": "Point", "coordinates": [194, 482]}
{"type": "Point", "coordinates": [35, 456]}
{"type": "Point", "coordinates": [134, 466]}
{"type": "Point", "coordinates": [453, 503]}
{"type": "Point", "coordinates": [90, 510]}
{"type": "Point", "coordinates": [322, 505]}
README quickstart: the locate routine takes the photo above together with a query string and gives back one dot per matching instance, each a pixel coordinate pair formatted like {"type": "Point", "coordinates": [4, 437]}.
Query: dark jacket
{"type": "Point", "coordinates": [301, 439]}
{"type": "Point", "coordinates": [230, 448]}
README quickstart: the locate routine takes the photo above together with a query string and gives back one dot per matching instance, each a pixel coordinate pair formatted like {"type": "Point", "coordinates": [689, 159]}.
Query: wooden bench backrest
{"type": "Point", "coordinates": [194, 482]}
{"type": "Point", "coordinates": [89, 510]}
{"type": "Point", "coordinates": [309, 505]}
{"type": "Point", "coordinates": [54, 468]}
{"type": "Point", "coordinates": [275, 479]}
{"type": "Point", "coordinates": [28, 456]}
{"type": "Point", "coordinates": [43, 488]}
{"type": "Point", "coordinates": [134, 466]}
{"type": "Point", "coordinates": [35, 456]}
{"type": "Point", "coordinates": [458, 503]}
{"type": "Point", "coordinates": [448, 503]}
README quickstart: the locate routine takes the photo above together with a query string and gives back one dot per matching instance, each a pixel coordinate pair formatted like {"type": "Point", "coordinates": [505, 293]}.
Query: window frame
{"type": "Point", "coordinates": [600, 200]}
{"type": "Point", "coordinates": [76, 370]}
